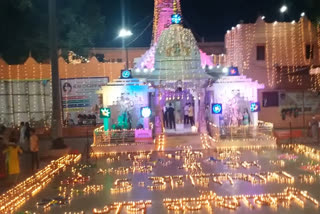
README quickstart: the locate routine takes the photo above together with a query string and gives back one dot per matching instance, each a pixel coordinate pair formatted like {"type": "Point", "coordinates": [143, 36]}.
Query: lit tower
{"type": "Point", "coordinates": [163, 10]}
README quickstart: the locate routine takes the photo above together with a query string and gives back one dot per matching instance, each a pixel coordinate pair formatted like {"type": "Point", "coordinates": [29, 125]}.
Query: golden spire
{"type": "Point", "coordinates": [175, 9]}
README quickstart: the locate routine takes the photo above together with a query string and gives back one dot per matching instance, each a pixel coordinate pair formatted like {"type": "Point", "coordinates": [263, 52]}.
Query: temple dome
{"type": "Point", "coordinates": [177, 56]}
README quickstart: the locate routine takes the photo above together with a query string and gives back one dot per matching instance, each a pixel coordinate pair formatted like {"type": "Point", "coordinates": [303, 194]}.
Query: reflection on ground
{"type": "Point", "coordinates": [185, 180]}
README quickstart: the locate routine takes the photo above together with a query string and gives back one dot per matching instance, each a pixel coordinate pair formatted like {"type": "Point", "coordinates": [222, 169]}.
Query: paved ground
{"type": "Point", "coordinates": [173, 141]}
{"type": "Point", "coordinates": [25, 160]}
{"type": "Point", "coordinates": [79, 144]}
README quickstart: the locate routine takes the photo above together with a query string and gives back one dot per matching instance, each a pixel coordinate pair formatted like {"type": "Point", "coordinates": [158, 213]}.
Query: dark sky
{"type": "Point", "coordinates": [206, 18]}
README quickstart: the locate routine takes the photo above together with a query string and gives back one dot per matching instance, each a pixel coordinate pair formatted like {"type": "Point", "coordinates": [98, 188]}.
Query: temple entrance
{"type": "Point", "coordinates": [178, 113]}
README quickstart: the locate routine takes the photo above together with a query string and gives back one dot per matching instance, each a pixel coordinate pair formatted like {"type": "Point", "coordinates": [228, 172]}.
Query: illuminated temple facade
{"type": "Point", "coordinates": [179, 74]}
{"type": "Point", "coordinates": [274, 58]}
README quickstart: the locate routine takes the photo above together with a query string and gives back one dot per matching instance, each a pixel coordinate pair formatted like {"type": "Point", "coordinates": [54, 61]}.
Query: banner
{"type": "Point", "coordinates": [310, 101]}
{"type": "Point", "coordinates": [79, 98]}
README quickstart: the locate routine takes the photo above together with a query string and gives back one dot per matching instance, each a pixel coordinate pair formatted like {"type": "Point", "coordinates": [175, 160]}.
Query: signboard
{"type": "Point", "coordinates": [79, 97]}
{"type": "Point", "coordinates": [286, 134]}
{"type": "Point", "coordinates": [143, 134]}
{"type": "Point", "coordinates": [309, 100]}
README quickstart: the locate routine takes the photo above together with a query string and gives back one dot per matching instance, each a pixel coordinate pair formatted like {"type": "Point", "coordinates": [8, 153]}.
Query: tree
{"type": "Point", "coordinates": [80, 25]}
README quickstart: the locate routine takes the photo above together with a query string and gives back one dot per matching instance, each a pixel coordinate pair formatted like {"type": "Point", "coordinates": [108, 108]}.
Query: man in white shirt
{"type": "Point", "coordinates": [191, 114]}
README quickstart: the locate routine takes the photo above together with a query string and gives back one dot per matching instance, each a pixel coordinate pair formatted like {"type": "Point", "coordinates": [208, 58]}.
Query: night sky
{"type": "Point", "coordinates": [206, 18]}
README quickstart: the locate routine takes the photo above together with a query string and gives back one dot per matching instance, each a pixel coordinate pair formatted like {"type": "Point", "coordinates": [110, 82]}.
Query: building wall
{"type": "Point", "coordinates": [119, 54]}
{"type": "Point", "coordinates": [295, 99]}
{"type": "Point", "coordinates": [285, 53]}
{"type": "Point", "coordinates": [285, 45]}
{"type": "Point", "coordinates": [25, 89]}
{"type": "Point", "coordinates": [212, 48]}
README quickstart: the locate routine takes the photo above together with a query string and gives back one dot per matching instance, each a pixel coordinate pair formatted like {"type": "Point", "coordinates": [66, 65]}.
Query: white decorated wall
{"type": "Point", "coordinates": [28, 101]}
{"type": "Point", "coordinates": [227, 88]}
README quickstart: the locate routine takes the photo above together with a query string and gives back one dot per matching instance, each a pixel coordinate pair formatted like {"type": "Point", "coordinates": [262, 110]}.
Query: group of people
{"type": "Point", "coordinates": [169, 116]}
{"type": "Point", "coordinates": [84, 119]}
{"type": "Point", "coordinates": [188, 114]}
{"type": "Point", "coordinates": [13, 142]}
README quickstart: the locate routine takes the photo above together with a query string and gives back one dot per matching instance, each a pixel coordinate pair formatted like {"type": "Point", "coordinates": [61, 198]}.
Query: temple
{"type": "Point", "coordinates": [163, 11]}
{"type": "Point", "coordinates": [175, 74]}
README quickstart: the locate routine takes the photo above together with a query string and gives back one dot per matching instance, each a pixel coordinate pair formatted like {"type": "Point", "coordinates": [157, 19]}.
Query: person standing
{"type": "Point", "coordinates": [12, 152]}
{"type": "Point", "coordinates": [207, 113]}
{"type": "Point", "coordinates": [22, 132]}
{"type": "Point", "coordinates": [27, 134]}
{"type": "Point", "coordinates": [191, 114]}
{"type": "Point", "coordinates": [246, 118]}
{"type": "Point", "coordinates": [186, 114]}
{"type": "Point", "coordinates": [172, 122]}
{"type": "Point", "coordinates": [34, 149]}
{"type": "Point", "coordinates": [165, 116]}
{"type": "Point", "coordinates": [314, 129]}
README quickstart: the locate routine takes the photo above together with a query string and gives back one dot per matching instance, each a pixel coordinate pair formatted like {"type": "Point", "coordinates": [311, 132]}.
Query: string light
{"type": "Point", "coordinates": [269, 75]}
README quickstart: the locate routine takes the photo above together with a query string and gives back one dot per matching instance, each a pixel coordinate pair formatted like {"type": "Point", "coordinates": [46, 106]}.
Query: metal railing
{"type": "Point", "coordinates": [101, 137]}
{"type": "Point", "coordinates": [262, 131]}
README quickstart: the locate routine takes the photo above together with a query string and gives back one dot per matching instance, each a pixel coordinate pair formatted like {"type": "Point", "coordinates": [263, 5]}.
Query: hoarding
{"type": "Point", "coordinates": [79, 98]}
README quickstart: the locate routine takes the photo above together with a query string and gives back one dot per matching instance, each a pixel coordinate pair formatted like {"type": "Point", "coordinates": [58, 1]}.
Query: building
{"type": "Point", "coordinates": [26, 92]}
{"type": "Point", "coordinates": [280, 55]}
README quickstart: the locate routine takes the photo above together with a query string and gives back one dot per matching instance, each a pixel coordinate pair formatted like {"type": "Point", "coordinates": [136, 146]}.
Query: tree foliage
{"type": "Point", "coordinates": [25, 29]}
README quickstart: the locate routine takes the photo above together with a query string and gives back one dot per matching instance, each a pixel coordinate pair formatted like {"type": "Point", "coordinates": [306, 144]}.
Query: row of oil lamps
{"type": "Point", "coordinates": [233, 202]}
{"type": "Point", "coordinates": [121, 185]}
{"type": "Point", "coordinates": [159, 142]}
{"type": "Point", "coordinates": [305, 150]}
{"type": "Point", "coordinates": [160, 183]}
{"type": "Point", "coordinates": [18, 195]}
{"type": "Point", "coordinates": [129, 206]}
{"type": "Point", "coordinates": [210, 199]}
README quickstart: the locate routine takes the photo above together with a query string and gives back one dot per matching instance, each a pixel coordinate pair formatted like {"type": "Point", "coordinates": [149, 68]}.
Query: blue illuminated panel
{"type": "Point", "coordinates": [126, 74]}
{"type": "Point", "coordinates": [255, 107]}
{"type": "Point", "coordinates": [233, 71]}
{"type": "Point", "coordinates": [176, 19]}
{"type": "Point", "coordinates": [216, 108]}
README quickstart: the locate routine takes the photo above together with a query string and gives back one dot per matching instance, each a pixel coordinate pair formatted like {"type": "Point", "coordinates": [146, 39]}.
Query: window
{"type": "Point", "coordinates": [261, 52]}
{"type": "Point", "coordinates": [270, 99]}
{"type": "Point", "coordinates": [119, 60]}
{"type": "Point", "coordinates": [309, 51]}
